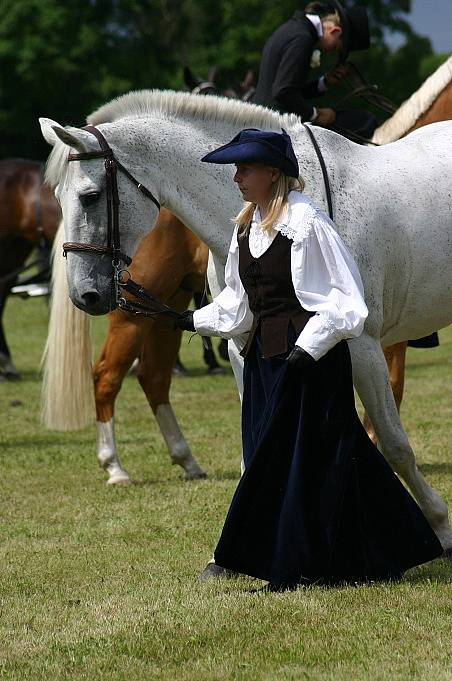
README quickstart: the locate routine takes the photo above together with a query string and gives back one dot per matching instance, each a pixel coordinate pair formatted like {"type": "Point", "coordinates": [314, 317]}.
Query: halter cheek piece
{"type": "Point", "coordinates": [122, 279]}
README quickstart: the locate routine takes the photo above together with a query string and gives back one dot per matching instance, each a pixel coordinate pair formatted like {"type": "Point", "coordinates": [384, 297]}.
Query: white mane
{"type": "Point", "coordinates": [419, 102]}
{"type": "Point", "coordinates": [184, 104]}
{"type": "Point", "coordinates": [170, 103]}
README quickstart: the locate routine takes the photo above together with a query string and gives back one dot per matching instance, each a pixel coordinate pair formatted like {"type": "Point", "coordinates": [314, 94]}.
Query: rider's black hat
{"type": "Point", "coordinates": [355, 28]}
{"type": "Point", "coordinates": [258, 146]}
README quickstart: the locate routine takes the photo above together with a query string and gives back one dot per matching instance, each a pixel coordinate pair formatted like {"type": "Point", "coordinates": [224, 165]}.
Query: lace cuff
{"type": "Point", "coordinates": [207, 320]}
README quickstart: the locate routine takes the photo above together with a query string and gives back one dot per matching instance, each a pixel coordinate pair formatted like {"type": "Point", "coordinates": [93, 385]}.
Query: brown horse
{"type": "Point", "coordinates": [171, 262]}
{"type": "Point", "coordinates": [29, 219]}
{"type": "Point", "coordinates": [430, 104]}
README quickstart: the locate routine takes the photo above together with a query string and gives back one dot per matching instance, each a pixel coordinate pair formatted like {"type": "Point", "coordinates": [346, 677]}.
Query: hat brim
{"type": "Point", "coordinates": [251, 152]}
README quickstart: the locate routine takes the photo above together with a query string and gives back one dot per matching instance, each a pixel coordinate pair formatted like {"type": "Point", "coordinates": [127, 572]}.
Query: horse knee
{"type": "Point", "coordinates": [106, 387]}
{"type": "Point", "coordinates": [398, 453]}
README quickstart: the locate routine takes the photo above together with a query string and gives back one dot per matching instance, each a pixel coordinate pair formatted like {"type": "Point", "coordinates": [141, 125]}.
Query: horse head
{"type": "Point", "coordinates": [82, 190]}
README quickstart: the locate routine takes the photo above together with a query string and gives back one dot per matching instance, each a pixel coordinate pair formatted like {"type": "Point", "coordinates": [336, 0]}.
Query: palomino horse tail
{"type": "Point", "coordinates": [67, 389]}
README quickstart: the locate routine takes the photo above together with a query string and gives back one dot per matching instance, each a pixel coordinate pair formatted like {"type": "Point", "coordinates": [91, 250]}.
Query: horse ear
{"type": "Point", "coordinates": [189, 79]}
{"type": "Point", "coordinates": [73, 137]}
{"type": "Point", "coordinates": [47, 130]}
{"type": "Point", "coordinates": [248, 80]}
{"type": "Point", "coordinates": [213, 74]}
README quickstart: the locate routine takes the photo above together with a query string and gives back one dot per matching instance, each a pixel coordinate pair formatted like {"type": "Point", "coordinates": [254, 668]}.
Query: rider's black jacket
{"type": "Point", "coordinates": [284, 69]}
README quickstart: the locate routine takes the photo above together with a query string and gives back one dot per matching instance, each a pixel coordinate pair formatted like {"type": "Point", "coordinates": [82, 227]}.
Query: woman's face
{"type": "Point", "coordinates": [255, 181]}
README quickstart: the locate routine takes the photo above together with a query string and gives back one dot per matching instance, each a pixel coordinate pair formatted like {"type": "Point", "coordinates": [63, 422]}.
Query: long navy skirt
{"type": "Point", "coordinates": [317, 502]}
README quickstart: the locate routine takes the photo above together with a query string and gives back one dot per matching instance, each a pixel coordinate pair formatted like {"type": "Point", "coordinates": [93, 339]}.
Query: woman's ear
{"type": "Point", "coordinates": [276, 174]}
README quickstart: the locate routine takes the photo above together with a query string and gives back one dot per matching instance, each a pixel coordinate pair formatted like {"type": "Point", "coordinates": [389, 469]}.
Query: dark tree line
{"type": "Point", "coordinates": [63, 59]}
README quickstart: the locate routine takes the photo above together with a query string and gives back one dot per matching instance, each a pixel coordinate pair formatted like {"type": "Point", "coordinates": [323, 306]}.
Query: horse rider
{"type": "Point", "coordinates": [290, 53]}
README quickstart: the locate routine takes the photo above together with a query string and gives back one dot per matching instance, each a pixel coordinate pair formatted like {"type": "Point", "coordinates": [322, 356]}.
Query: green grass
{"type": "Point", "coordinates": [99, 583]}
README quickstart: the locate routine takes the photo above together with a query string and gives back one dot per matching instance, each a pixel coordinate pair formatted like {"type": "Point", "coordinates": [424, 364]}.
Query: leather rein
{"type": "Point", "coordinates": [150, 305]}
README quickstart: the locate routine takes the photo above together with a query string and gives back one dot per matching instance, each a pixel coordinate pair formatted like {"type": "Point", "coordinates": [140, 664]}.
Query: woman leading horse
{"type": "Point", "coordinates": [317, 502]}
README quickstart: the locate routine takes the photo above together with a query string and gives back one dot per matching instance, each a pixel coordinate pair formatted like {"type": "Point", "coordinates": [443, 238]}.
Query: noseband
{"type": "Point", "coordinates": [120, 260]}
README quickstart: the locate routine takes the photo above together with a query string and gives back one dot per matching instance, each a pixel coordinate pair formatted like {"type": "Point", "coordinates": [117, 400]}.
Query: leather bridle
{"type": "Point", "coordinates": [120, 260]}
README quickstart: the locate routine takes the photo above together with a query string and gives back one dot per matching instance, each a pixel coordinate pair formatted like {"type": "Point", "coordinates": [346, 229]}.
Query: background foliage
{"type": "Point", "coordinates": [63, 59]}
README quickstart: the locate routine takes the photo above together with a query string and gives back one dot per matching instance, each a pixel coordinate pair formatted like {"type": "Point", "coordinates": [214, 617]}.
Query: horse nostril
{"type": "Point", "coordinates": [90, 298]}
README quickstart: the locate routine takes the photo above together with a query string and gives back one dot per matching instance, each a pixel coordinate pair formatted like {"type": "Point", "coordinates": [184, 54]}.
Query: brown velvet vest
{"type": "Point", "coordinates": [268, 282]}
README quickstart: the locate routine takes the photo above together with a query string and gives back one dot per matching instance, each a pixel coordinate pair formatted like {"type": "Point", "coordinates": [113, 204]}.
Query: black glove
{"type": "Point", "coordinates": [185, 321]}
{"type": "Point", "coordinates": [299, 359]}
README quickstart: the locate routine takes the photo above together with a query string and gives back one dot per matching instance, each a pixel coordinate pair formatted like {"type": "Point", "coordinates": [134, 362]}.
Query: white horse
{"type": "Point", "coordinates": [392, 207]}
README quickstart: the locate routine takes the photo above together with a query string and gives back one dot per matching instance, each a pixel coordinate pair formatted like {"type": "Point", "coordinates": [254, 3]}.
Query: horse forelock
{"type": "Point", "coordinates": [413, 108]}
{"type": "Point", "coordinates": [184, 104]}
{"type": "Point", "coordinates": [56, 164]}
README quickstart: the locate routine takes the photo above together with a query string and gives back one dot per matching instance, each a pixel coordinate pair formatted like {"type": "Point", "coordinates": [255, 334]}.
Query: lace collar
{"type": "Point", "coordinates": [297, 221]}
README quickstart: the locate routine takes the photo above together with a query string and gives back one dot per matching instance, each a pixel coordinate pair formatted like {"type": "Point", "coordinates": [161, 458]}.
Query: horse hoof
{"type": "Point", "coordinates": [119, 479]}
{"type": "Point", "coordinates": [12, 376]}
{"type": "Point", "coordinates": [195, 475]}
{"type": "Point", "coordinates": [216, 371]}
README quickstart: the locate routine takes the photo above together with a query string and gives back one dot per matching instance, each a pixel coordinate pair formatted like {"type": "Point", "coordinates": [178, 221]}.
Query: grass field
{"type": "Point", "coordinates": [99, 583]}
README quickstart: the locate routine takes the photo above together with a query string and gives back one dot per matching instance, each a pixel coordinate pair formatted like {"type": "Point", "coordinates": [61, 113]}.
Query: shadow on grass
{"type": "Point", "coordinates": [439, 572]}
{"type": "Point", "coordinates": [439, 362]}
{"type": "Point", "coordinates": [35, 442]}
{"type": "Point", "coordinates": [26, 376]}
{"type": "Point", "coordinates": [201, 372]}
{"type": "Point", "coordinates": [444, 468]}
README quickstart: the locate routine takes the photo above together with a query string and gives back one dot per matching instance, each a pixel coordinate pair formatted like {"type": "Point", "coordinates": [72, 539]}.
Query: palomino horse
{"type": "Point", "coordinates": [29, 218]}
{"type": "Point", "coordinates": [171, 261]}
{"type": "Point", "coordinates": [430, 104]}
{"type": "Point", "coordinates": [382, 200]}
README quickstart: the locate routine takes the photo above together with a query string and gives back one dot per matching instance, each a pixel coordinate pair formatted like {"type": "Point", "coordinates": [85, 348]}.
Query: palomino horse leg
{"type": "Point", "coordinates": [159, 353]}
{"type": "Point", "coordinates": [122, 345]}
{"type": "Point", "coordinates": [370, 377]}
{"type": "Point", "coordinates": [395, 359]}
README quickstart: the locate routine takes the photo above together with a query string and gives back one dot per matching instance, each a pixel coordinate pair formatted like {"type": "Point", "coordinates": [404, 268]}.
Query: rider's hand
{"type": "Point", "coordinates": [185, 321]}
{"type": "Point", "coordinates": [325, 117]}
{"type": "Point", "coordinates": [336, 74]}
{"type": "Point", "coordinates": [299, 359]}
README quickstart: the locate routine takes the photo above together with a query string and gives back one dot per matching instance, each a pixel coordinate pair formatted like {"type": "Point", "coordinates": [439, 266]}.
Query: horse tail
{"type": "Point", "coordinates": [67, 397]}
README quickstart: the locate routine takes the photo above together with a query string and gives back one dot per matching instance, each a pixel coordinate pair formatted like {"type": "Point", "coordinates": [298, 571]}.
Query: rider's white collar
{"type": "Point", "coordinates": [316, 22]}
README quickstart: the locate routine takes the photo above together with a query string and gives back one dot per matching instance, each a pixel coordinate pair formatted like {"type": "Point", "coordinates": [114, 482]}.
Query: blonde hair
{"type": "Point", "coordinates": [277, 204]}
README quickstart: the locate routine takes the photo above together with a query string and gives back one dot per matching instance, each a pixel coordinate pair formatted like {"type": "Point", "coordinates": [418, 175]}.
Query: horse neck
{"type": "Point", "coordinates": [202, 195]}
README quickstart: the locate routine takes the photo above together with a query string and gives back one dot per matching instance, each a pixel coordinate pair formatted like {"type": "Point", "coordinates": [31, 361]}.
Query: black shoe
{"type": "Point", "coordinates": [213, 571]}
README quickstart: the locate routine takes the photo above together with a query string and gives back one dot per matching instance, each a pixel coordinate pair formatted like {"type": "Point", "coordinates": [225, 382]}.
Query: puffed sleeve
{"type": "Point", "coordinates": [229, 314]}
{"type": "Point", "coordinates": [327, 281]}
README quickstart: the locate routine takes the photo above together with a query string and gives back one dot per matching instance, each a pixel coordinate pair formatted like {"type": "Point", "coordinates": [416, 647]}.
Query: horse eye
{"type": "Point", "coordinates": [88, 199]}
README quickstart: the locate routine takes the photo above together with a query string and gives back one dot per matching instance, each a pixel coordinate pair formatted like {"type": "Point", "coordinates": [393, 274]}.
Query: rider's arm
{"type": "Point", "coordinates": [290, 86]}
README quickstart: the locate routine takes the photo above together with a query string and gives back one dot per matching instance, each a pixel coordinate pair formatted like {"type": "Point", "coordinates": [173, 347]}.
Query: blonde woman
{"type": "Point", "coordinates": [317, 502]}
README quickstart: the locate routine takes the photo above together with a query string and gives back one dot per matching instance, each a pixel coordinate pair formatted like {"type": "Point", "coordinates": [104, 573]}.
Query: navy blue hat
{"type": "Point", "coordinates": [258, 146]}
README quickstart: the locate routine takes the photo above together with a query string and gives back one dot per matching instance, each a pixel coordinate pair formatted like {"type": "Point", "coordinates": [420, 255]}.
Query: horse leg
{"type": "Point", "coordinates": [121, 347]}
{"type": "Point", "coordinates": [7, 368]}
{"type": "Point", "coordinates": [370, 375]}
{"type": "Point", "coordinates": [159, 353]}
{"type": "Point", "coordinates": [395, 359]}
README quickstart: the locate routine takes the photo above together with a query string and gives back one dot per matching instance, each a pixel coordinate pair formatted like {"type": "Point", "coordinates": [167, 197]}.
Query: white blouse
{"type": "Point", "coordinates": [325, 277]}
